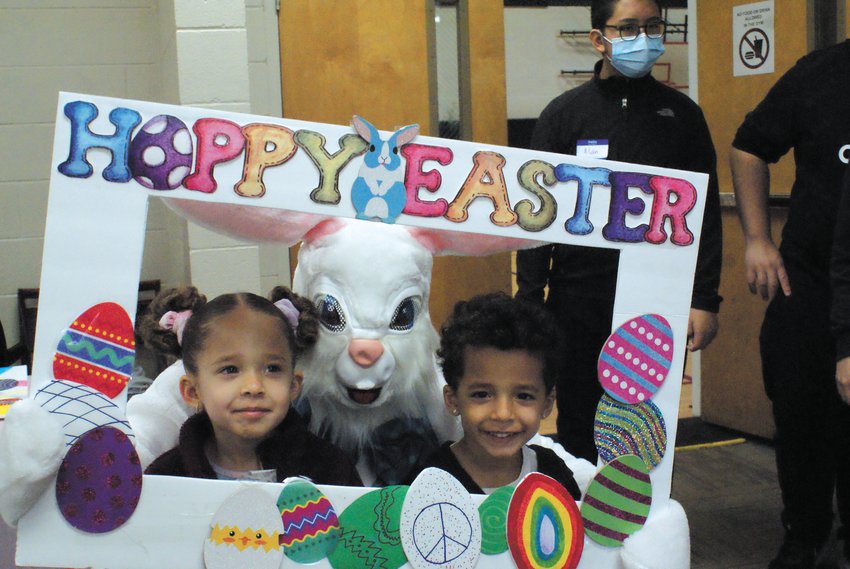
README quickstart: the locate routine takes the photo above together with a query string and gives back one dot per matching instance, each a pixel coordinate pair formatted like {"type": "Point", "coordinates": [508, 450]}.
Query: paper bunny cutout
{"type": "Point", "coordinates": [379, 192]}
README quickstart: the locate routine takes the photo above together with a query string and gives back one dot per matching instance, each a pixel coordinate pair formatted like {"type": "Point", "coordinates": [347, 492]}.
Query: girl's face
{"type": "Point", "coordinates": [501, 399]}
{"type": "Point", "coordinates": [245, 379]}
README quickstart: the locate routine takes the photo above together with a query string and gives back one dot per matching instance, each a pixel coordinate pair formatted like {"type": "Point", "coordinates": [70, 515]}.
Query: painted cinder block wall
{"type": "Point", "coordinates": [219, 54]}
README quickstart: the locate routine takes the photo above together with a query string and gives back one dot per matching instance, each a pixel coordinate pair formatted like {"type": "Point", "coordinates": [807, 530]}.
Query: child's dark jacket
{"type": "Point", "coordinates": [548, 463]}
{"type": "Point", "coordinates": [290, 449]}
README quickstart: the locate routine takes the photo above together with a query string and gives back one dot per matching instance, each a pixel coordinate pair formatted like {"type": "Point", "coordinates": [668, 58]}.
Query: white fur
{"type": "Point", "coordinates": [157, 414]}
{"type": "Point", "coordinates": [663, 543]}
{"type": "Point", "coordinates": [31, 449]}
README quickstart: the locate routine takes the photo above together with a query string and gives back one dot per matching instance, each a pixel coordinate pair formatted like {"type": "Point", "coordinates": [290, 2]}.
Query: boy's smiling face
{"type": "Point", "coordinates": [501, 399]}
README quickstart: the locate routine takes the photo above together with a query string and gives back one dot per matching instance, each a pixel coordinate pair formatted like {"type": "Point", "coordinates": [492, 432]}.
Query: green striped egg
{"type": "Point", "coordinates": [617, 501]}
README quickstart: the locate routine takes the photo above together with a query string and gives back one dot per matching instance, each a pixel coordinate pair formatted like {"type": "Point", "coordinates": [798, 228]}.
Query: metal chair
{"type": "Point", "coordinates": [9, 354]}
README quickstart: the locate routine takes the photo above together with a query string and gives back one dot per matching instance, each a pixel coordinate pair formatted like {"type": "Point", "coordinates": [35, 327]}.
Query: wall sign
{"type": "Point", "coordinates": [753, 38]}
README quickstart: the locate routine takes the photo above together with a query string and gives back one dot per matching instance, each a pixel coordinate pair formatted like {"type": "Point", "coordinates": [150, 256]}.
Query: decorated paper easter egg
{"type": "Point", "coordinates": [621, 429]}
{"type": "Point", "coordinates": [11, 389]}
{"type": "Point", "coordinates": [310, 524]}
{"type": "Point", "coordinates": [369, 534]}
{"type": "Point", "coordinates": [493, 513]}
{"type": "Point", "coordinates": [245, 532]}
{"type": "Point", "coordinates": [636, 359]}
{"type": "Point", "coordinates": [439, 523]}
{"type": "Point", "coordinates": [544, 525]}
{"type": "Point", "coordinates": [98, 349]}
{"type": "Point", "coordinates": [100, 481]}
{"type": "Point", "coordinates": [160, 155]}
{"type": "Point", "coordinates": [617, 501]}
{"type": "Point", "coordinates": [80, 409]}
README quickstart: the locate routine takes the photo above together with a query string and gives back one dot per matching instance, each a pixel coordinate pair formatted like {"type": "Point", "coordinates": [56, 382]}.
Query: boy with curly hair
{"type": "Point", "coordinates": [499, 359]}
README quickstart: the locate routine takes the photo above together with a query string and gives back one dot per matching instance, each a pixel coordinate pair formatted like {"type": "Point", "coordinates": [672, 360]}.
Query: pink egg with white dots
{"type": "Point", "coordinates": [636, 359]}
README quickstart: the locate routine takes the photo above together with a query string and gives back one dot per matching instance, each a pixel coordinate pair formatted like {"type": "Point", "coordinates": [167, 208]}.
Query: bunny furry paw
{"type": "Point", "coordinates": [31, 449]}
{"type": "Point", "coordinates": [157, 414]}
{"type": "Point", "coordinates": [663, 543]}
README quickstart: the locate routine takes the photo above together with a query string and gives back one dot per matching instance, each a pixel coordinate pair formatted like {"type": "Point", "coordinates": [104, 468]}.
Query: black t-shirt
{"type": "Point", "coordinates": [807, 110]}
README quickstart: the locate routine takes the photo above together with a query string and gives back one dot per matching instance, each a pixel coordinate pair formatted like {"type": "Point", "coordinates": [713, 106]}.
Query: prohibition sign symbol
{"type": "Point", "coordinates": [753, 48]}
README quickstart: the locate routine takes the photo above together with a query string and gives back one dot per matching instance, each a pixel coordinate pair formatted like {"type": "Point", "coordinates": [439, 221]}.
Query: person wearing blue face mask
{"type": "Point", "coordinates": [638, 48]}
{"type": "Point", "coordinates": [621, 114]}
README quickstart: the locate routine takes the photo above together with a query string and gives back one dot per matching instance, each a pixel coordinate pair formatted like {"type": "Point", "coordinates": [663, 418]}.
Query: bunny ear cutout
{"type": "Point", "coordinates": [470, 244]}
{"type": "Point", "coordinates": [262, 224]}
{"type": "Point", "coordinates": [258, 224]}
{"type": "Point", "coordinates": [406, 133]}
{"type": "Point", "coordinates": [364, 128]}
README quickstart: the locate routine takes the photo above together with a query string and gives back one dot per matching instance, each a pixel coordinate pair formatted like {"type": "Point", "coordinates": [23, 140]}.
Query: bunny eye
{"type": "Point", "coordinates": [405, 314]}
{"type": "Point", "coordinates": [330, 314]}
{"type": "Point", "coordinates": [395, 150]}
{"type": "Point", "coordinates": [371, 148]}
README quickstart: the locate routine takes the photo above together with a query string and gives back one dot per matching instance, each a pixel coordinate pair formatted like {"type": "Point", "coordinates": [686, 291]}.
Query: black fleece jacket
{"type": "Point", "coordinates": [644, 122]}
{"type": "Point", "coordinates": [290, 449]}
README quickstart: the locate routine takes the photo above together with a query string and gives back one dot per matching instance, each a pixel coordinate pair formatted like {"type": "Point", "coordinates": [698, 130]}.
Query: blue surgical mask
{"type": "Point", "coordinates": [635, 58]}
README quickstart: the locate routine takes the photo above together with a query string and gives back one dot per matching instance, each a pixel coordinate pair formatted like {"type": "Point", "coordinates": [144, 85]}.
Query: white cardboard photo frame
{"type": "Point", "coordinates": [93, 247]}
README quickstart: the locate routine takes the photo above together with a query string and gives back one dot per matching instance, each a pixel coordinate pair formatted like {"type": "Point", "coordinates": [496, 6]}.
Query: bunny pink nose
{"type": "Point", "coordinates": [365, 352]}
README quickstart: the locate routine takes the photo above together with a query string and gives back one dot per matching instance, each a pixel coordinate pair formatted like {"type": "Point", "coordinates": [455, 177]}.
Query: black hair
{"type": "Point", "coordinates": [203, 313]}
{"type": "Point", "coordinates": [496, 320]}
{"type": "Point", "coordinates": [601, 11]}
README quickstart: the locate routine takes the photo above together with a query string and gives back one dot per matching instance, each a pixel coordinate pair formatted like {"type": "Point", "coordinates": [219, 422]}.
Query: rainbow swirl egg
{"type": "Point", "coordinates": [544, 525]}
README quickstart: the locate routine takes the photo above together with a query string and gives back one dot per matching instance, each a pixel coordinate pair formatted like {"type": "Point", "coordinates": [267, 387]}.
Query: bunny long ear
{"type": "Point", "coordinates": [470, 244]}
{"type": "Point", "coordinates": [258, 224]}
{"type": "Point", "coordinates": [365, 129]}
{"type": "Point", "coordinates": [406, 133]}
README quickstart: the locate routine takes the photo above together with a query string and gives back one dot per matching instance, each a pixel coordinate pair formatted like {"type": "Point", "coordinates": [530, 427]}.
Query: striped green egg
{"type": "Point", "coordinates": [617, 501]}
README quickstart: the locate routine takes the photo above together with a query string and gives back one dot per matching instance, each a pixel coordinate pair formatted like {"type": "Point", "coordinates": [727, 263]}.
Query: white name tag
{"type": "Point", "coordinates": [592, 148]}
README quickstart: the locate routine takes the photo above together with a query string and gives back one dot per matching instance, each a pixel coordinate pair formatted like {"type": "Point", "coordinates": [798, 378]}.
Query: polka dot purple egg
{"type": "Point", "coordinates": [160, 154]}
{"type": "Point", "coordinates": [100, 481]}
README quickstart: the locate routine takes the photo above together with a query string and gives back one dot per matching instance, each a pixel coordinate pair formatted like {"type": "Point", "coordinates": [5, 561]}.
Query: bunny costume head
{"type": "Point", "coordinates": [374, 361]}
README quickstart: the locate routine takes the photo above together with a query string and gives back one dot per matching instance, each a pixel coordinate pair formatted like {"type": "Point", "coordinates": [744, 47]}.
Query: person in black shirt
{"type": "Point", "coordinates": [805, 110]}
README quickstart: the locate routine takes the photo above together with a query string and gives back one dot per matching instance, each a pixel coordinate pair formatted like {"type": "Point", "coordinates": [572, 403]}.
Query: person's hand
{"type": "Point", "coordinates": [764, 269]}
{"type": "Point", "coordinates": [842, 379]}
{"type": "Point", "coordinates": [702, 328]}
